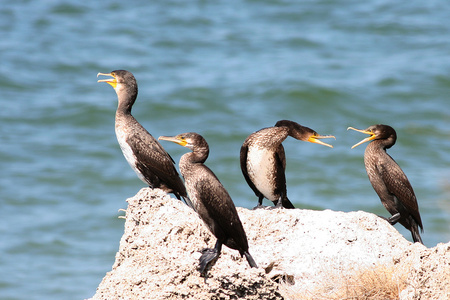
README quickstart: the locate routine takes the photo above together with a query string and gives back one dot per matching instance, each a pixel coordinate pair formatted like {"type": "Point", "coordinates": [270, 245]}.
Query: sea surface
{"type": "Point", "coordinates": [223, 69]}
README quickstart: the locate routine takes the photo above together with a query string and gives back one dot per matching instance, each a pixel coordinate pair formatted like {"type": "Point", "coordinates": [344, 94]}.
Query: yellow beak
{"type": "Point", "coordinates": [175, 139]}
{"type": "Point", "coordinates": [315, 139]}
{"type": "Point", "coordinates": [112, 81]}
{"type": "Point", "coordinates": [368, 139]}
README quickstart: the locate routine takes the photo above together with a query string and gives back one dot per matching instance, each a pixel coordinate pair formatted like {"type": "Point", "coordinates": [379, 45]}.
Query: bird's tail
{"type": "Point", "coordinates": [250, 260]}
{"type": "Point", "coordinates": [287, 203]}
{"type": "Point", "coordinates": [188, 202]}
{"type": "Point", "coordinates": [415, 232]}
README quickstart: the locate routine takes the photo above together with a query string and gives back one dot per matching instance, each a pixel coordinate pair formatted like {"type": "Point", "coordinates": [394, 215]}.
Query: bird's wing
{"type": "Point", "coordinates": [280, 160]}
{"type": "Point", "coordinates": [281, 157]}
{"type": "Point", "coordinates": [398, 184]}
{"type": "Point", "coordinates": [280, 176]}
{"type": "Point", "coordinates": [221, 209]}
{"type": "Point", "coordinates": [243, 159]}
{"type": "Point", "coordinates": [153, 160]}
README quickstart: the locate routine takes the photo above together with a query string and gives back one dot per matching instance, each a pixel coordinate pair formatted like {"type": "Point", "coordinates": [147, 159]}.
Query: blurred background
{"type": "Point", "coordinates": [223, 69]}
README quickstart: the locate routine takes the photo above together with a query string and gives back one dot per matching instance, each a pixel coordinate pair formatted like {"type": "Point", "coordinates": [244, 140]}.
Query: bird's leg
{"type": "Point", "coordinates": [260, 200]}
{"type": "Point", "coordinates": [279, 203]}
{"type": "Point", "coordinates": [394, 219]}
{"type": "Point", "coordinates": [208, 256]}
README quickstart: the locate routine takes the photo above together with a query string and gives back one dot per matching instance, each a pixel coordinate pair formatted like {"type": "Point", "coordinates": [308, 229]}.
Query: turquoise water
{"type": "Point", "coordinates": [221, 69]}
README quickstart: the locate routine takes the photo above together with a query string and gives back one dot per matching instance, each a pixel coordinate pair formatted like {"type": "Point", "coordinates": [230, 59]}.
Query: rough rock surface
{"type": "Point", "coordinates": [429, 272]}
{"type": "Point", "coordinates": [158, 253]}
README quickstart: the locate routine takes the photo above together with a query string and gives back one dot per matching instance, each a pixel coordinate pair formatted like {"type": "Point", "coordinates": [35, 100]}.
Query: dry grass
{"type": "Point", "coordinates": [379, 282]}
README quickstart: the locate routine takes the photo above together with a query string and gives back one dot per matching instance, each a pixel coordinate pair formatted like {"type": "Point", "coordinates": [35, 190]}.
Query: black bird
{"type": "Point", "coordinates": [211, 200]}
{"type": "Point", "coordinates": [388, 179]}
{"type": "Point", "coordinates": [144, 153]}
{"type": "Point", "coordinates": [263, 161]}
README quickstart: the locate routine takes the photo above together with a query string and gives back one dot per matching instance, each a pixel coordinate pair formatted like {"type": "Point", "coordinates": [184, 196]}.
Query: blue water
{"type": "Point", "coordinates": [223, 69]}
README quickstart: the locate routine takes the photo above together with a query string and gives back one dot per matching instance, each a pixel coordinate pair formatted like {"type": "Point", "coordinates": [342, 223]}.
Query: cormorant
{"type": "Point", "coordinates": [263, 161]}
{"type": "Point", "coordinates": [211, 200]}
{"type": "Point", "coordinates": [144, 153]}
{"type": "Point", "coordinates": [388, 179]}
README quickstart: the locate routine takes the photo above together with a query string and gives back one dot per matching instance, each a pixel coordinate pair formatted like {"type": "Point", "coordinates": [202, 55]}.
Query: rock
{"type": "Point", "coordinates": [428, 272]}
{"type": "Point", "coordinates": [158, 254]}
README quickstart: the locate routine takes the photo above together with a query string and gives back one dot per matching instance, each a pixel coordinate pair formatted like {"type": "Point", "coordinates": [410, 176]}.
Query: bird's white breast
{"type": "Point", "coordinates": [261, 170]}
{"type": "Point", "coordinates": [128, 152]}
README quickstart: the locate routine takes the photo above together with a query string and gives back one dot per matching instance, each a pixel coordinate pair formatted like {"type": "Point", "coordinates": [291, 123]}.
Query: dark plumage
{"type": "Point", "coordinates": [263, 161]}
{"type": "Point", "coordinates": [144, 153]}
{"type": "Point", "coordinates": [210, 199]}
{"type": "Point", "coordinates": [388, 179]}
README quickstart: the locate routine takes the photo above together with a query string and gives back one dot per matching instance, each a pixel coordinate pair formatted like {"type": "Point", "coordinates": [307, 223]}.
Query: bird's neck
{"type": "Point", "coordinates": [292, 129]}
{"type": "Point", "coordinates": [273, 136]}
{"type": "Point", "coordinates": [198, 156]}
{"type": "Point", "coordinates": [126, 99]}
{"type": "Point", "coordinates": [124, 119]}
{"type": "Point", "coordinates": [375, 148]}
{"type": "Point", "coordinates": [281, 135]}
{"type": "Point", "coordinates": [188, 164]}
{"type": "Point", "coordinates": [123, 108]}
{"type": "Point", "coordinates": [382, 144]}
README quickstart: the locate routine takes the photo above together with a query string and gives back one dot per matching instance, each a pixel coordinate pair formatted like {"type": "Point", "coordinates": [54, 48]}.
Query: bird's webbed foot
{"type": "Point", "coordinates": [278, 205]}
{"type": "Point", "coordinates": [208, 257]}
{"type": "Point", "coordinates": [394, 219]}
{"type": "Point", "coordinates": [260, 201]}
{"type": "Point", "coordinates": [259, 206]}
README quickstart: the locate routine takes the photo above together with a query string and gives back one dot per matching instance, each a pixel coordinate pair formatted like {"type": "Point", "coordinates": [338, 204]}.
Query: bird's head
{"type": "Point", "coordinates": [191, 140]}
{"type": "Point", "coordinates": [304, 133]}
{"type": "Point", "coordinates": [123, 83]}
{"type": "Point", "coordinates": [314, 137]}
{"type": "Point", "coordinates": [377, 132]}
